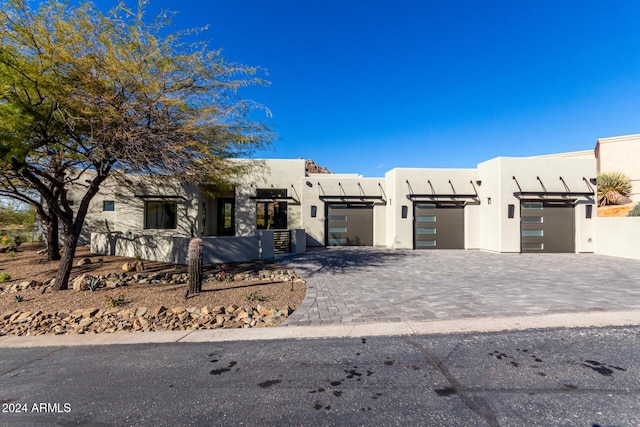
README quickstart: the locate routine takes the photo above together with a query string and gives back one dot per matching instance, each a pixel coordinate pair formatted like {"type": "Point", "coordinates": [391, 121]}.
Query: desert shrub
{"type": "Point", "coordinates": [5, 277]}
{"type": "Point", "coordinates": [635, 211]}
{"type": "Point", "coordinates": [254, 296]}
{"type": "Point", "coordinates": [614, 188]}
{"type": "Point", "coordinates": [115, 299]}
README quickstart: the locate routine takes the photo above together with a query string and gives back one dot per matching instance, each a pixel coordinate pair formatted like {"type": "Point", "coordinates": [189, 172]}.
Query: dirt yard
{"type": "Point", "coordinates": [25, 265]}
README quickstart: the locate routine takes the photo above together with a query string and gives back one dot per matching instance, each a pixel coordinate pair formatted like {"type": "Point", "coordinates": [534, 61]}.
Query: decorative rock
{"type": "Point", "coordinates": [139, 266]}
{"type": "Point", "coordinates": [157, 311]}
{"type": "Point", "coordinates": [23, 286]}
{"type": "Point", "coordinates": [141, 312]}
{"type": "Point", "coordinates": [90, 312]}
{"type": "Point", "coordinates": [83, 261]}
{"type": "Point", "coordinates": [94, 320]}
{"type": "Point", "coordinates": [264, 311]}
{"type": "Point", "coordinates": [112, 284]}
{"type": "Point", "coordinates": [177, 310]}
{"type": "Point", "coordinates": [80, 282]}
{"type": "Point", "coordinates": [129, 266]}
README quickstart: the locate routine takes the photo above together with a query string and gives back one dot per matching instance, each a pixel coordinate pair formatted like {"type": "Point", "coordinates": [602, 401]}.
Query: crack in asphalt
{"type": "Point", "coordinates": [32, 361]}
{"type": "Point", "coordinates": [476, 404]}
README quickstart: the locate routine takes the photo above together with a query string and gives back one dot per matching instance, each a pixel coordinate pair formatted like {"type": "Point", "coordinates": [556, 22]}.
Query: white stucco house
{"type": "Point", "coordinates": [533, 204]}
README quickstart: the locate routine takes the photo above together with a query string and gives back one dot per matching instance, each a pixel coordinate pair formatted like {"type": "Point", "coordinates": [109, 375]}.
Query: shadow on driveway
{"type": "Point", "coordinates": [342, 260]}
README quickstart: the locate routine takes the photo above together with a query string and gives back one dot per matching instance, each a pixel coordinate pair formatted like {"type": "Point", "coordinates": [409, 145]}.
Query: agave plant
{"type": "Point", "coordinates": [614, 188]}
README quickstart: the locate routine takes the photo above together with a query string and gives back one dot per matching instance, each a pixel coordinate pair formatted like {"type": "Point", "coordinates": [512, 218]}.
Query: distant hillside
{"type": "Point", "coordinates": [312, 167]}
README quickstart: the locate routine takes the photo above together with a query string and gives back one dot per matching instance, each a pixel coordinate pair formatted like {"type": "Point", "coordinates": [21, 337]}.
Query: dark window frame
{"type": "Point", "coordinates": [165, 215]}
{"type": "Point", "coordinates": [108, 205]}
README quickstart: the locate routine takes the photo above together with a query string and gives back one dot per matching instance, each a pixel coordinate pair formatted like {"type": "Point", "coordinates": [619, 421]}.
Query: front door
{"type": "Point", "coordinates": [226, 217]}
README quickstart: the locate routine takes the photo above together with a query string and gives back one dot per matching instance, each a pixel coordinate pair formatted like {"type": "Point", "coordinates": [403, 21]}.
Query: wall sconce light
{"type": "Point", "coordinates": [588, 211]}
{"type": "Point", "coordinates": [309, 184]}
{"type": "Point", "coordinates": [314, 211]}
{"type": "Point", "coordinates": [593, 181]}
{"type": "Point", "coordinates": [488, 200]}
{"type": "Point", "coordinates": [478, 182]}
{"type": "Point", "coordinates": [511, 211]}
{"type": "Point", "coordinates": [405, 211]}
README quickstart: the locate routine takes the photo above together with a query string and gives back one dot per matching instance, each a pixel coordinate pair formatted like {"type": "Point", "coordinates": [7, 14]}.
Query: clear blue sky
{"type": "Point", "coordinates": [366, 86]}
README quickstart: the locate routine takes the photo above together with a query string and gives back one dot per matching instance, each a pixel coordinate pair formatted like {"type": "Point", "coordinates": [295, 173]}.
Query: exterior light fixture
{"type": "Point", "coordinates": [314, 211]}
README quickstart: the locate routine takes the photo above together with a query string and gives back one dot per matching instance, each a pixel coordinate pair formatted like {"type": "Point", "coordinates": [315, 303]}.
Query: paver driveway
{"type": "Point", "coordinates": [362, 284]}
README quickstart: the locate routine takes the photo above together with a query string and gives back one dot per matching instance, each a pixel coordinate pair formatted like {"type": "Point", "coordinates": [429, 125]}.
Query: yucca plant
{"type": "Point", "coordinates": [614, 188]}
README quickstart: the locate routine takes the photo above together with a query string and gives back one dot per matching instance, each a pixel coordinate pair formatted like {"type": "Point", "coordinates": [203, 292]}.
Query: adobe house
{"type": "Point", "coordinates": [535, 204]}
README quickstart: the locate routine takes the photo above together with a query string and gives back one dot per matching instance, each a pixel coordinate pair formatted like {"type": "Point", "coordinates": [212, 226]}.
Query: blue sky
{"type": "Point", "coordinates": [366, 86]}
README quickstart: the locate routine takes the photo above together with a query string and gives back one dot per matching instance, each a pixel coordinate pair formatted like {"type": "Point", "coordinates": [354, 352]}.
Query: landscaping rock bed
{"type": "Point", "coordinates": [115, 294]}
{"type": "Point", "coordinates": [142, 319]}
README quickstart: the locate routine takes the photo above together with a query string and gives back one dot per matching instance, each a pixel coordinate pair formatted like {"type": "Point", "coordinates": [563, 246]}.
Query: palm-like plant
{"type": "Point", "coordinates": [614, 188]}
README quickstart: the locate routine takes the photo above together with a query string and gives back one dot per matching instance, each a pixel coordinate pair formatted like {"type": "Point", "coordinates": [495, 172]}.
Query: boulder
{"type": "Point", "coordinates": [80, 282]}
{"type": "Point", "coordinates": [157, 311]}
{"type": "Point", "coordinates": [129, 267]}
{"type": "Point", "coordinates": [83, 261]}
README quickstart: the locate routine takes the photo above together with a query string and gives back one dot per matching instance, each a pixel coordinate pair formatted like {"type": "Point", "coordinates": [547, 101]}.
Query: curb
{"type": "Point", "coordinates": [346, 330]}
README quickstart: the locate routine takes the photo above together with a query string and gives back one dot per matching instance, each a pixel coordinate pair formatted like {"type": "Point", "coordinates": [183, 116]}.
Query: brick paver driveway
{"type": "Point", "coordinates": [346, 285]}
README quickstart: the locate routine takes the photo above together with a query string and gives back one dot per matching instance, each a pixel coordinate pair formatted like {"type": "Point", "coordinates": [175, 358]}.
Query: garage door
{"type": "Point", "coordinates": [547, 226]}
{"type": "Point", "coordinates": [438, 225]}
{"type": "Point", "coordinates": [349, 224]}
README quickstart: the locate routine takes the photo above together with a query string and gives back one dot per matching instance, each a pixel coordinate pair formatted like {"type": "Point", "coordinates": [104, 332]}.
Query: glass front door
{"type": "Point", "coordinates": [226, 217]}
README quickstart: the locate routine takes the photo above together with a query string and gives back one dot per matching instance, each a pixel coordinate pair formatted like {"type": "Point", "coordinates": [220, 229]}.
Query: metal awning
{"type": "Point", "coordinates": [440, 196]}
{"type": "Point", "coordinates": [288, 199]}
{"type": "Point", "coordinates": [541, 194]}
{"type": "Point", "coordinates": [159, 197]}
{"type": "Point", "coordinates": [344, 198]}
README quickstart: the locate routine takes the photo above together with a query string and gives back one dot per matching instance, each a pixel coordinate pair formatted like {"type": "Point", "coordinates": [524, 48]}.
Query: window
{"type": "Point", "coordinates": [160, 215]}
{"type": "Point", "coordinates": [108, 206]}
{"type": "Point", "coordinates": [271, 215]}
{"type": "Point", "coordinates": [425, 231]}
{"type": "Point", "coordinates": [534, 206]}
{"type": "Point", "coordinates": [271, 193]}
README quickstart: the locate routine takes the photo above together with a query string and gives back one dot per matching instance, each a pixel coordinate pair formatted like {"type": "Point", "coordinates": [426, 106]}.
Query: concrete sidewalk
{"type": "Point", "coordinates": [470, 325]}
{"type": "Point", "coordinates": [375, 291]}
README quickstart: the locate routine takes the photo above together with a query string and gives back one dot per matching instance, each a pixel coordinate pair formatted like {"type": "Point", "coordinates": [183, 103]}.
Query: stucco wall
{"type": "Point", "coordinates": [621, 154]}
{"type": "Point", "coordinates": [428, 181]}
{"type": "Point", "coordinates": [502, 234]}
{"type": "Point", "coordinates": [216, 250]}
{"type": "Point", "coordinates": [316, 185]}
{"type": "Point", "coordinates": [269, 174]}
{"type": "Point", "coordinates": [618, 237]}
{"type": "Point", "coordinates": [128, 215]}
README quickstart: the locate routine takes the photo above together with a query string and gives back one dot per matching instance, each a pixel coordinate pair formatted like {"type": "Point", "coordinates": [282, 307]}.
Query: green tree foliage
{"type": "Point", "coordinates": [12, 215]}
{"type": "Point", "coordinates": [86, 95]}
{"type": "Point", "coordinates": [614, 188]}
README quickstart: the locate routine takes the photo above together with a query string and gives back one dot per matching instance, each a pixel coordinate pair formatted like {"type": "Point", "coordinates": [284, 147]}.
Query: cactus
{"type": "Point", "coordinates": [195, 266]}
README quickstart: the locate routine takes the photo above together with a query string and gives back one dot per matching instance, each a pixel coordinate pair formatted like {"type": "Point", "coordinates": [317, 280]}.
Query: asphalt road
{"type": "Point", "coordinates": [569, 377]}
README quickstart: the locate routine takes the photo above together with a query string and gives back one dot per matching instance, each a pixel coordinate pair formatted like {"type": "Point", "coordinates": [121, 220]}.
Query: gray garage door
{"type": "Point", "coordinates": [438, 225]}
{"type": "Point", "coordinates": [349, 224]}
{"type": "Point", "coordinates": [547, 226]}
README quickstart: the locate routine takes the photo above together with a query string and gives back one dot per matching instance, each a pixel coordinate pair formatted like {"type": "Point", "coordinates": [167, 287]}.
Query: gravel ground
{"type": "Point", "coordinates": [27, 265]}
